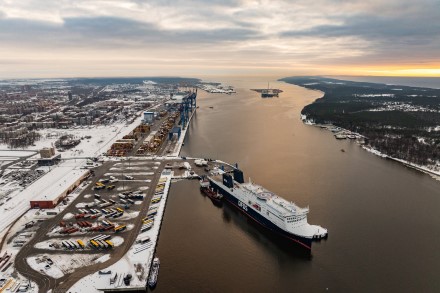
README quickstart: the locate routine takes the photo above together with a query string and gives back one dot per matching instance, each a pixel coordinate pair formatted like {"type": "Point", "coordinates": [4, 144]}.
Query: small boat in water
{"type": "Point", "coordinates": [154, 272]}
{"type": "Point", "coordinates": [214, 196]}
{"type": "Point", "coordinates": [206, 189]}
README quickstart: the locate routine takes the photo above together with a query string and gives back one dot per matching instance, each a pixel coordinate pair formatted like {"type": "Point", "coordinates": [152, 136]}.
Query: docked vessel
{"type": "Point", "coordinates": [266, 208]}
{"type": "Point", "coordinates": [206, 189]}
{"type": "Point", "coordinates": [154, 272]}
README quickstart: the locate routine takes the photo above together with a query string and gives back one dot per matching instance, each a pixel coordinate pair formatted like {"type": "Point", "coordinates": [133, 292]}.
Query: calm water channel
{"type": "Point", "coordinates": [383, 218]}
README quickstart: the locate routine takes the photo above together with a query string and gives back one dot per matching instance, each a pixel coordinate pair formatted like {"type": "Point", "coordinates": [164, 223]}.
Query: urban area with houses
{"type": "Point", "coordinates": [86, 167]}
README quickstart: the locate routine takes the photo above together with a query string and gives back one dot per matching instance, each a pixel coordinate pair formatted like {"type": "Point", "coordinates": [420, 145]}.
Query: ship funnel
{"type": "Point", "coordinates": [227, 180]}
{"type": "Point", "coordinates": [238, 176]}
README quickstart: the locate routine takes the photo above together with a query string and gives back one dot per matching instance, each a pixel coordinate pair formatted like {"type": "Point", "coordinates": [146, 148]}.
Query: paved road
{"type": "Point", "coordinates": [45, 282]}
{"type": "Point", "coordinates": [62, 284]}
{"type": "Point", "coordinates": [20, 159]}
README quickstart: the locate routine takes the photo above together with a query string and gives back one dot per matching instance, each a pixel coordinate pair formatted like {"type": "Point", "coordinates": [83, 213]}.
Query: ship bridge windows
{"type": "Point", "coordinates": [294, 219]}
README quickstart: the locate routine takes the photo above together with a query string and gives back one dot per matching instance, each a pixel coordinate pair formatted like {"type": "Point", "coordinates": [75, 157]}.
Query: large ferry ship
{"type": "Point", "coordinates": [266, 208]}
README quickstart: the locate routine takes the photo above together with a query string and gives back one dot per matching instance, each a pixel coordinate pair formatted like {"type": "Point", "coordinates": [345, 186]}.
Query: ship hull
{"type": "Point", "coordinates": [258, 218]}
{"type": "Point", "coordinates": [212, 196]}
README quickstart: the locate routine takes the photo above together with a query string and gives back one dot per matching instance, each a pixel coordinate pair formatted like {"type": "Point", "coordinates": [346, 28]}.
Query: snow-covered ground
{"type": "Point", "coordinates": [118, 240]}
{"type": "Point", "coordinates": [129, 174]}
{"type": "Point", "coordinates": [373, 151]}
{"type": "Point", "coordinates": [68, 216]}
{"type": "Point", "coordinates": [14, 153]}
{"type": "Point", "coordinates": [81, 205]}
{"type": "Point", "coordinates": [129, 215]}
{"type": "Point", "coordinates": [32, 216]}
{"type": "Point", "coordinates": [20, 200]}
{"type": "Point", "coordinates": [135, 262]}
{"type": "Point", "coordinates": [134, 168]}
{"type": "Point", "coordinates": [6, 161]}
{"type": "Point", "coordinates": [21, 165]}
{"type": "Point", "coordinates": [130, 164]}
{"type": "Point", "coordinates": [102, 138]}
{"type": "Point", "coordinates": [18, 284]}
{"type": "Point", "coordinates": [406, 163]}
{"type": "Point", "coordinates": [103, 258]}
{"type": "Point", "coordinates": [62, 263]}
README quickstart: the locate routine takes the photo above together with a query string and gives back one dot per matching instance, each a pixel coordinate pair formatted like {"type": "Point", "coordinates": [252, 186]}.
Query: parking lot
{"type": "Point", "coordinates": [100, 225]}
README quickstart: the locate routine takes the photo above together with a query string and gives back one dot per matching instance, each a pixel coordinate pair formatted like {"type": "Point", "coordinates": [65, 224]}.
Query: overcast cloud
{"type": "Point", "coordinates": [122, 37]}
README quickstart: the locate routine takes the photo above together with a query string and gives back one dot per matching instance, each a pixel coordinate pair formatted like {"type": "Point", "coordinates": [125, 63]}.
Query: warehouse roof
{"type": "Point", "coordinates": [50, 186]}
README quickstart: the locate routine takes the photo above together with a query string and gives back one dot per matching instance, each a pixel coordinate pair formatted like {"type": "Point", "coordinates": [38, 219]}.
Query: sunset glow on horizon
{"type": "Point", "coordinates": [193, 38]}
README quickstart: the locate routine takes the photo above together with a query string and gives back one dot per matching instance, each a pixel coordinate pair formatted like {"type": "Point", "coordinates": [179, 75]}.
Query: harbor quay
{"type": "Point", "coordinates": [101, 233]}
{"type": "Point", "coordinates": [95, 228]}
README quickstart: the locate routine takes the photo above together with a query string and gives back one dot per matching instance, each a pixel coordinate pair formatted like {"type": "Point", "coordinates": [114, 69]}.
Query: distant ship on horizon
{"type": "Point", "coordinates": [268, 93]}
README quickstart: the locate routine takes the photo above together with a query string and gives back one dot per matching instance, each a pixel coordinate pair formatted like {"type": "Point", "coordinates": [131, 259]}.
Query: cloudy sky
{"type": "Point", "coordinates": [58, 38]}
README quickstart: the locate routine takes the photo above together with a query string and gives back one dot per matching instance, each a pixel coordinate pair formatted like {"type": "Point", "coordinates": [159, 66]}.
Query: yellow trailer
{"type": "Point", "coordinates": [110, 244]}
{"type": "Point", "coordinates": [95, 244]}
{"type": "Point", "coordinates": [120, 228]}
{"type": "Point", "coordinates": [81, 243]}
{"type": "Point", "coordinates": [147, 221]}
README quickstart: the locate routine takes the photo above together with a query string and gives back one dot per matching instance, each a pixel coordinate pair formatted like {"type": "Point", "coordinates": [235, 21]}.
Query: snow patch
{"type": "Point", "coordinates": [68, 216]}
{"type": "Point", "coordinates": [82, 205]}
{"type": "Point", "coordinates": [117, 241]}
{"type": "Point", "coordinates": [62, 263]}
{"type": "Point", "coordinates": [103, 258]}
{"type": "Point", "coordinates": [20, 154]}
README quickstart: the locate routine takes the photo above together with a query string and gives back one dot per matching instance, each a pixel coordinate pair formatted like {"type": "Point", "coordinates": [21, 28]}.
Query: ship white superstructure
{"type": "Point", "coordinates": [266, 208]}
{"type": "Point", "coordinates": [285, 214]}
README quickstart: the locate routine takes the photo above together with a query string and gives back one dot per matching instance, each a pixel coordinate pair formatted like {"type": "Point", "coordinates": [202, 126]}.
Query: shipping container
{"type": "Point", "coordinates": [120, 228]}
{"type": "Point", "coordinates": [80, 243]}
{"type": "Point", "coordinates": [94, 243]}
{"type": "Point", "coordinates": [143, 240]}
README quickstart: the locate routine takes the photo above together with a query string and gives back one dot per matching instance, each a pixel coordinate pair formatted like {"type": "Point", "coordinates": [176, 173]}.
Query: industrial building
{"type": "Point", "coordinates": [148, 117]}
{"type": "Point", "coordinates": [46, 153]}
{"type": "Point", "coordinates": [63, 184]}
{"type": "Point", "coordinates": [48, 157]}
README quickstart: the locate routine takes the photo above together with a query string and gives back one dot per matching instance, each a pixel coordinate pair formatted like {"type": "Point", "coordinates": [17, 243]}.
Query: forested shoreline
{"type": "Point", "coordinates": [400, 121]}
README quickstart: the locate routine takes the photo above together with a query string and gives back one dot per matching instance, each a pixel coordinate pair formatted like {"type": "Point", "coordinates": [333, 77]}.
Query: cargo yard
{"type": "Point", "coordinates": [216, 88]}
{"type": "Point", "coordinates": [83, 206]}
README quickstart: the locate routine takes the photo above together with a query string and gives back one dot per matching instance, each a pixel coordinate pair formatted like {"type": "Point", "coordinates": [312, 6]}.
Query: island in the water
{"type": "Point", "coordinates": [401, 122]}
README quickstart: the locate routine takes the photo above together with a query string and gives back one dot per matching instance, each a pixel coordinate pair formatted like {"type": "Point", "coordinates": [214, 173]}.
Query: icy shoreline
{"type": "Point", "coordinates": [371, 150]}
{"type": "Point", "coordinates": [421, 168]}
